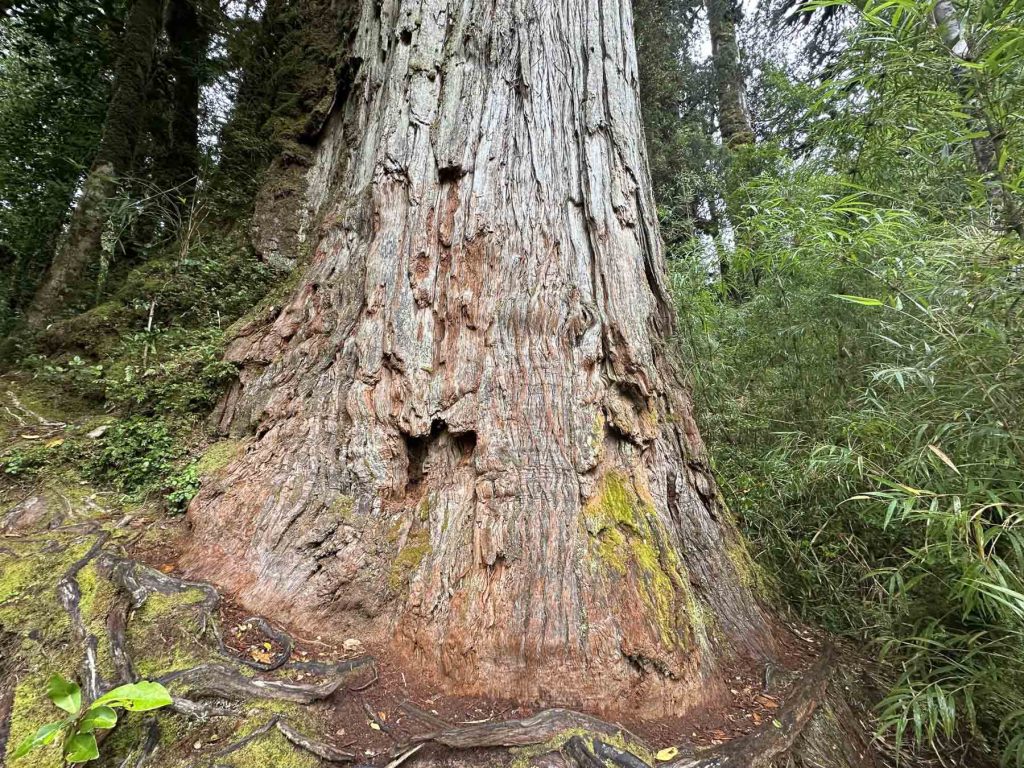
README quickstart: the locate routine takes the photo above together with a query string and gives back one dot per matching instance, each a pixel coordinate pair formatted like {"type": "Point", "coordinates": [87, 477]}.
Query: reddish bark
{"type": "Point", "coordinates": [471, 444]}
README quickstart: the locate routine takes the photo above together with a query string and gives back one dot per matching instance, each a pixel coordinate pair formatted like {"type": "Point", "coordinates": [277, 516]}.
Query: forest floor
{"type": "Point", "coordinates": [251, 693]}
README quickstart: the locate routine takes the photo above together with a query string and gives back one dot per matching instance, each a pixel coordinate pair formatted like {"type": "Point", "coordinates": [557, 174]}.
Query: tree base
{"type": "Point", "coordinates": [801, 720]}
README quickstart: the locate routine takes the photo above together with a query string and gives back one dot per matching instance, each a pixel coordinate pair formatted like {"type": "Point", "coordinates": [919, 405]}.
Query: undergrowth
{"type": "Point", "coordinates": [862, 406]}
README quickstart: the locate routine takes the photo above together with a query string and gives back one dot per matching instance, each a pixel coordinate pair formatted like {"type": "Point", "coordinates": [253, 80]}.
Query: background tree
{"type": "Point", "coordinates": [54, 99]}
{"type": "Point", "coordinates": [113, 156]}
{"type": "Point", "coordinates": [724, 17]}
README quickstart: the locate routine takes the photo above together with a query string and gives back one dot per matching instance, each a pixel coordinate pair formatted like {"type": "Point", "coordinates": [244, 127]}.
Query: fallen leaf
{"type": "Point", "coordinates": [55, 442]}
{"type": "Point", "coordinates": [667, 754]}
{"type": "Point", "coordinates": [374, 725]}
{"type": "Point", "coordinates": [261, 656]}
{"type": "Point", "coordinates": [167, 568]}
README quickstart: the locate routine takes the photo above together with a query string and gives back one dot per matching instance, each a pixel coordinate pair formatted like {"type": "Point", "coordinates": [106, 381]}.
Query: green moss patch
{"type": "Point", "coordinates": [631, 544]}
{"type": "Point", "coordinates": [408, 559]}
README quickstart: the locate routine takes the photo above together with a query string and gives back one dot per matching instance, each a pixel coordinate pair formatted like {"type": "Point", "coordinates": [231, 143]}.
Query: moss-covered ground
{"type": "Point", "coordinates": [50, 515]}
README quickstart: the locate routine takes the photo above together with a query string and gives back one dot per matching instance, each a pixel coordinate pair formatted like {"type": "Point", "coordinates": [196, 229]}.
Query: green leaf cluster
{"type": "Point", "coordinates": [77, 731]}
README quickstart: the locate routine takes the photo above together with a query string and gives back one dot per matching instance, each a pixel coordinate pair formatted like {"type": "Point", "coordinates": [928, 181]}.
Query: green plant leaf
{"type": "Point", "coordinates": [64, 694]}
{"type": "Point", "coordinates": [40, 738]}
{"type": "Point", "coordinates": [101, 717]}
{"type": "Point", "coordinates": [864, 301]}
{"type": "Point", "coordinates": [81, 748]}
{"type": "Point", "coordinates": [135, 697]}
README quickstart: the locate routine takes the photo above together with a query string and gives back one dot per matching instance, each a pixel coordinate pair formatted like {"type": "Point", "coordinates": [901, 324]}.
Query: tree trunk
{"type": "Point", "coordinates": [733, 119]}
{"type": "Point", "coordinates": [471, 445]}
{"type": "Point", "coordinates": [187, 39]}
{"type": "Point", "coordinates": [986, 144]}
{"type": "Point", "coordinates": [113, 156]}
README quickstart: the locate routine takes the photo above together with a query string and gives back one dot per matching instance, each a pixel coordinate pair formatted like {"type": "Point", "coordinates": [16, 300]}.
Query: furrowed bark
{"type": "Point", "coordinates": [470, 443]}
{"type": "Point", "coordinates": [113, 156]}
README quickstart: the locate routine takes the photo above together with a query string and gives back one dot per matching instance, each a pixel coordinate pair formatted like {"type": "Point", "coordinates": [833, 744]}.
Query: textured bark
{"type": "Point", "coordinates": [117, 143]}
{"type": "Point", "coordinates": [986, 146]}
{"type": "Point", "coordinates": [471, 445]}
{"type": "Point", "coordinates": [733, 118]}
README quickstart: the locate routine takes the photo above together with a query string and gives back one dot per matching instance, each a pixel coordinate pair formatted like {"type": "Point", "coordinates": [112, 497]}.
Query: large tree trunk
{"type": "Point", "coordinates": [471, 445]}
{"type": "Point", "coordinates": [187, 39]}
{"type": "Point", "coordinates": [113, 156]}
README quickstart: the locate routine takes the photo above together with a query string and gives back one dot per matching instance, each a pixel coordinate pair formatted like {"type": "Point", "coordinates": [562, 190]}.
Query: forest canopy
{"type": "Point", "coordinates": [831, 265]}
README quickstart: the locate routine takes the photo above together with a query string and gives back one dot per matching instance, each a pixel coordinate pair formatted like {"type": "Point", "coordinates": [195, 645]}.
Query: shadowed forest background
{"type": "Point", "coordinates": [839, 188]}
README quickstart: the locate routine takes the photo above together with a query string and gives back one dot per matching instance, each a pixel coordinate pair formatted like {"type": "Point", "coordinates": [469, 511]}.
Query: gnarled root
{"type": "Point", "coordinates": [212, 689]}
{"type": "Point", "coordinates": [576, 739]}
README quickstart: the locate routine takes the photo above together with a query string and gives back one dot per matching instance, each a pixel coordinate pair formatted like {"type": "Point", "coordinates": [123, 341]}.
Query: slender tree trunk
{"type": "Point", "coordinates": [470, 444]}
{"type": "Point", "coordinates": [733, 118]}
{"type": "Point", "coordinates": [662, 31]}
{"type": "Point", "coordinates": [113, 156]}
{"type": "Point", "coordinates": [986, 147]}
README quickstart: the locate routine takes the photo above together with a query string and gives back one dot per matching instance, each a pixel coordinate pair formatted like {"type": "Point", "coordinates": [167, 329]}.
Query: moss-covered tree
{"type": "Point", "coordinates": [733, 118]}
{"type": "Point", "coordinates": [81, 244]}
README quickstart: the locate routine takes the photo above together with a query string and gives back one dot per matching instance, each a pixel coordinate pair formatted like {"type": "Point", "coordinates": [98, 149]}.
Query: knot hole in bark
{"type": "Point", "coordinates": [440, 448]}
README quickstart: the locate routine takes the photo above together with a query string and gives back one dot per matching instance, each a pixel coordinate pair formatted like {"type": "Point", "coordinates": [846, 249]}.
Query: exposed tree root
{"type": "Point", "coordinates": [148, 747]}
{"type": "Point", "coordinates": [320, 749]}
{"type": "Point", "coordinates": [756, 750]}
{"type": "Point", "coordinates": [117, 630]}
{"type": "Point", "coordinates": [620, 757]}
{"type": "Point", "coordinates": [8, 646]}
{"type": "Point", "coordinates": [69, 594]}
{"type": "Point", "coordinates": [234, 746]}
{"type": "Point", "coordinates": [213, 689]}
{"type": "Point", "coordinates": [760, 748]}
{"type": "Point", "coordinates": [222, 681]}
{"type": "Point", "coordinates": [217, 689]}
{"type": "Point", "coordinates": [283, 639]}
{"type": "Point", "coordinates": [538, 729]}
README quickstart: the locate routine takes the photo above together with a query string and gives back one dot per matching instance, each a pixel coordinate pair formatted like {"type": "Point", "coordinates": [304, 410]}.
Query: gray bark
{"type": "Point", "coordinates": [470, 445]}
